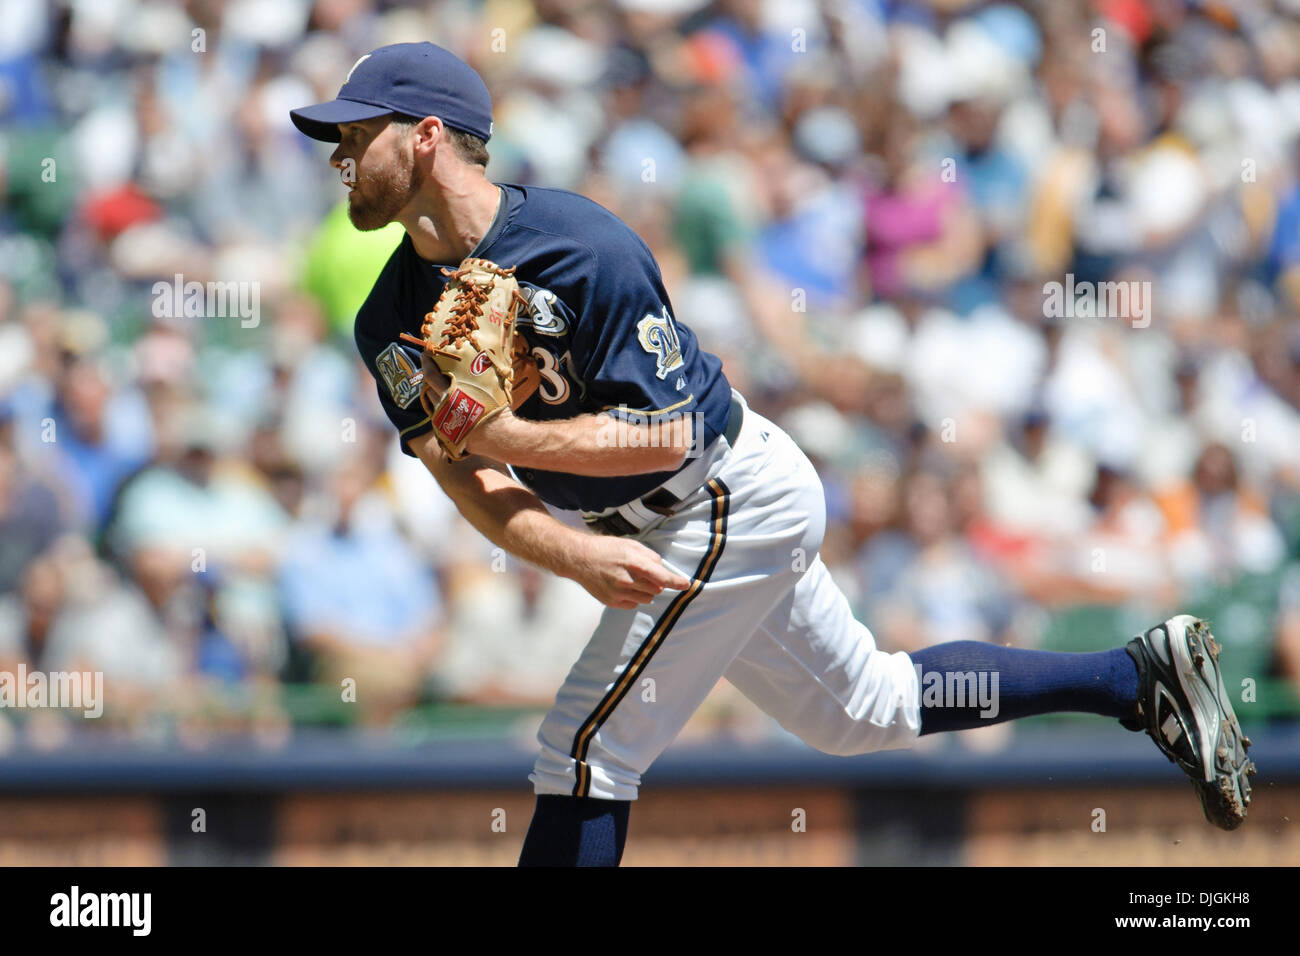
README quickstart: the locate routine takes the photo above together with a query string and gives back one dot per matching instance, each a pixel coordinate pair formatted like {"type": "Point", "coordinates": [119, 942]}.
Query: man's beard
{"type": "Point", "coordinates": [387, 192]}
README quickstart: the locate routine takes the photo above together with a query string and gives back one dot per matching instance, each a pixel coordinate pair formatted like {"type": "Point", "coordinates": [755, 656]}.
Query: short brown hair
{"type": "Point", "coordinates": [468, 146]}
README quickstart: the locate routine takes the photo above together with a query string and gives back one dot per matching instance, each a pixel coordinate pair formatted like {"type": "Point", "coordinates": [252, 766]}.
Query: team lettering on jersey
{"type": "Point", "coordinates": [541, 317]}
{"type": "Point", "coordinates": [545, 318]}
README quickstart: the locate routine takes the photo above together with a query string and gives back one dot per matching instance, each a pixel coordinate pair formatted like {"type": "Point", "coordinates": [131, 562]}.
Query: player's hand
{"type": "Point", "coordinates": [490, 440]}
{"type": "Point", "coordinates": [623, 573]}
{"type": "Point", "coordinates": [434, 377]}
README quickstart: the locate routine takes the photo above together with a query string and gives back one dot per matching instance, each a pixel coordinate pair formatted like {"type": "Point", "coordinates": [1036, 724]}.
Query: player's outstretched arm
{"type": "Point", "coordinates": [618, 572]}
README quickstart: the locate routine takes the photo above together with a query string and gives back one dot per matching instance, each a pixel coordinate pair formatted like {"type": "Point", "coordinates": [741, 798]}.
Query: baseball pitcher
{"type": "Point", "coordinates": [526, 351]}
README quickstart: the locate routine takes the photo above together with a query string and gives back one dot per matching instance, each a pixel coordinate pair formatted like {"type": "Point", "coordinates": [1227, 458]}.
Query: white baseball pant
{"type": "Point", "coordinates": [762, 610]}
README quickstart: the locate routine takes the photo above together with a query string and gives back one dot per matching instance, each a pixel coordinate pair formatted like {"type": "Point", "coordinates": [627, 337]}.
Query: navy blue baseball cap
{"type": "Point", "coordinates": [417, 79]}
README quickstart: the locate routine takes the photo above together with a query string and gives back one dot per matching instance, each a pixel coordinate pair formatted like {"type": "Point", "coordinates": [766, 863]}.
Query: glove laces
{"type": "Point", "coordinates": [470, 298]}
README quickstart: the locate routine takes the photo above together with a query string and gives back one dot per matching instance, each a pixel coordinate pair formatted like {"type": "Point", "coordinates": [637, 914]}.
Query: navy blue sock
{"type": "Point", "coordinates": [1010, 683]}
{"type": "Point", "coordinates": [576, 831]}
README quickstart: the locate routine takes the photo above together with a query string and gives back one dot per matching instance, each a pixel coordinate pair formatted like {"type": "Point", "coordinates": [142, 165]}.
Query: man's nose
{"type": "Point", "coordinates": [336, 157]}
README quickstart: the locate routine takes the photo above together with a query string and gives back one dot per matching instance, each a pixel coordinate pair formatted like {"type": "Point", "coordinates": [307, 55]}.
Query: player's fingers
{"type": "Point", "coordinates": [433, 376]}
{"type": "Point", "coordinates": [623, 590]}
{"type": "Point", "coordinates": [643, 595]}
{"type": "Point", "coordinates": [637, 590]}
{"type": "Point", "coordinates": [656, 573]}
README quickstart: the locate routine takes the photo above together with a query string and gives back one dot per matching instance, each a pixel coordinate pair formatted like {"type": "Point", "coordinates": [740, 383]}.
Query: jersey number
{"type": "Point", "coordinates": [554, 388]}
{"type": "Point", "coordinates": [658, 336]}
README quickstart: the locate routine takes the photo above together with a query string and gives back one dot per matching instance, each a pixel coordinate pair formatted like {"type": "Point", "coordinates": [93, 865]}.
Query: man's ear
{"type": "Point", "coordinates": [428, 134]}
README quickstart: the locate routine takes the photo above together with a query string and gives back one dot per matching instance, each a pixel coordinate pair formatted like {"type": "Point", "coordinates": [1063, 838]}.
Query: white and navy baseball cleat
{"type": "Point", "coordinates": [1184, 707]}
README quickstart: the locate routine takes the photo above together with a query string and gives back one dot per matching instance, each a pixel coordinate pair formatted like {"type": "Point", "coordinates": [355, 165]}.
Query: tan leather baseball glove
{"type": "Point", "coordinates": [470, 337]}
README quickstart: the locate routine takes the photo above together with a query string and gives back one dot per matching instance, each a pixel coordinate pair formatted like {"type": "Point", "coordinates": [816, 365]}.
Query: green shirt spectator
{"type": "Point", "coordinates": [343, 263]}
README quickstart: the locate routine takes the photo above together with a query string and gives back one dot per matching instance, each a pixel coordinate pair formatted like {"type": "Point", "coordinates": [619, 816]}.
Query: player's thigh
{"type": "Point", "coordinates": [817, 670]}
{"type": "Point", "coordinates": [644, 672]}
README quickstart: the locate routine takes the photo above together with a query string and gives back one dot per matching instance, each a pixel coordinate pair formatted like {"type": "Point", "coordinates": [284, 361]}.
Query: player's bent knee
{"type": "Point", "coordinates": [860, 737]}
{"type": "Point", "coordinates": [891, 724]}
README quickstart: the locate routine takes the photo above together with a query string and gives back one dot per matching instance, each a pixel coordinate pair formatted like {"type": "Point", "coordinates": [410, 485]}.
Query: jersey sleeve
{"type": "Point", "coordinates": [628, 350]}
{"type": "Point", "coordinates": [395, 367]}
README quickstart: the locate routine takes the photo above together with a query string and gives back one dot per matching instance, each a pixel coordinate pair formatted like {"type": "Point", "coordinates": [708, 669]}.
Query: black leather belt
{"type": "Point", "coordinates": [661, 500]}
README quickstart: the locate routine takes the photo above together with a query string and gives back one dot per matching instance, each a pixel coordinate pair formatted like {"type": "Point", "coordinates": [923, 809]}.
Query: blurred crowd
{"type": "Point", "coordinates": [858, 204]}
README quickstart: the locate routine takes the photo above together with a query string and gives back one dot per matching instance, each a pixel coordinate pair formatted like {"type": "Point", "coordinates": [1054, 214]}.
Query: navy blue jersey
{"type": "Point", "coordinates": [598, 321]}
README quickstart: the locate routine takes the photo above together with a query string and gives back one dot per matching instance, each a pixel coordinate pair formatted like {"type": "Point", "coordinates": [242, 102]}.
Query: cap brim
{"type": "Point", "coordinates": [322, 120]}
